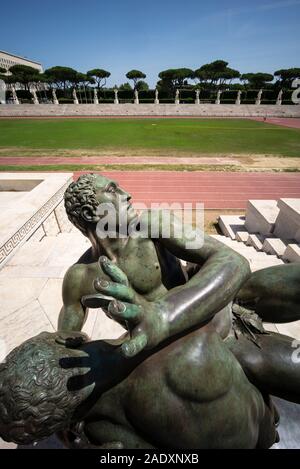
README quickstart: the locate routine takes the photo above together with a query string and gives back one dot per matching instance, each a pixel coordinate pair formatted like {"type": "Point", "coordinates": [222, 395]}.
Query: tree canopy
{"type": "Point", "coordinates": [125, 87]}
{"type": "Point", "coordinates": [83, 79]}
{"type": "Point", "coordinates": [3, 75]}
{"type": "Point", "coordinates": [175, 77]}
{"type": "Point", "coordinates": [142, 86]}
{"type": "Point", "coordinates": [216, 73]}
{"type": "Point", "coordinates": [257, 80]}
{"type": "Point", "coordinates": [99, 75]}
{"type": "Point", "coordinates": [286, 76]}
{"type": "Point", "coordinates": [62, 77]}
{"type": "Point", "coordinates": [210, 76]}
{"type": "Point", "coordinates": [23, 74]}
{"type": "Point", "coordinates": [135, 76]}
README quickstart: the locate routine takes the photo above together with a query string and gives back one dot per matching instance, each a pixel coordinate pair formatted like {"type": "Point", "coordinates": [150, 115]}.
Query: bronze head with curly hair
{"type": "Point", "coordinates": [91, 197]}
{"type": "Point", "coordinates": [35, 397]}
{"type": "Point", "coordinates": [79, 194]}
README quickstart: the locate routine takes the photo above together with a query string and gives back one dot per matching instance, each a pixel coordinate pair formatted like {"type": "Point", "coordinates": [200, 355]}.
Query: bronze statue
{"type": "Point", "coordinates": [189, 350]}
{"type": "Point", "coordinates": [161, 298]}
{"type": "Point", "coordinates": [192, 393]}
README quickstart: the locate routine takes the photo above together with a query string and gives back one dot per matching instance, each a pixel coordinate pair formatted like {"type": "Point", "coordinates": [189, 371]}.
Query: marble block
{"type": "Point", "coordinates": [287, 225]}
{"type": "Point", "coordinates": [261, 216]}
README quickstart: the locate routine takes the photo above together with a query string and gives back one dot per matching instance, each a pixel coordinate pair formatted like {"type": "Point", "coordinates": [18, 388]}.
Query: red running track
{"type": "Point", "coordinates": [217, 190]}
{"type": "Point", "coordinates": [283, 121]}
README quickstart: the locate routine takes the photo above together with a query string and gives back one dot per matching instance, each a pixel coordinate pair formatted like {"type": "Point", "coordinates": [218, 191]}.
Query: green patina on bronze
{"type": "Point", "coordinates": [191, 372]}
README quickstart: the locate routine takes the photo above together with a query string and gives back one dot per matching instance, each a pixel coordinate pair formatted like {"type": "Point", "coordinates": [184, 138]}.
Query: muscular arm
{"type": "Point", "coordinates": [72, 314]}
{"type": "Point", "coordinates": [222, 274]}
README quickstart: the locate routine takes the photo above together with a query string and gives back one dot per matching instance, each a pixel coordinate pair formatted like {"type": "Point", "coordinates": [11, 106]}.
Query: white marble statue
{"type": "Point", "coordinates": [218, 99]}
{"type": "Point", "coordinates": [238, 98]}
{"type": "Point", "coordinates": [136, 97]}
{"type": "Point", "coordinates": [116, 101]}
{"type": "Point", "coordinates": [177, 97]}
{"type": "Point", "coordinates": [197, 100]}
{"type": "Point", "coordinates": [96, 101]}
{"type": "Point", "coordinates": [258, 99]}
{"type": "Point", "coordinates": [14, 95]}
{"type": "Point", "coordinates": [156, 101]}
{"type": "Point", "coordinates": [279, 98]}
{"type": "Point", "coordinates": [34, 96]}
{"type": "Point", "coordinates": [54, 97]}
{"type": "Point", "coordinates": [75, 97]}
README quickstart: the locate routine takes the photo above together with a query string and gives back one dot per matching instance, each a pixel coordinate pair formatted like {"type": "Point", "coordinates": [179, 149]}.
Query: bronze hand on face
{"type": "Point", "coordinates": [146, 321]}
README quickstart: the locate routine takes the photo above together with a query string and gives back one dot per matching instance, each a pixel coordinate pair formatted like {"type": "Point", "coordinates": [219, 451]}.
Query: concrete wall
{"type": "Point", "coordinates": [210, 110]}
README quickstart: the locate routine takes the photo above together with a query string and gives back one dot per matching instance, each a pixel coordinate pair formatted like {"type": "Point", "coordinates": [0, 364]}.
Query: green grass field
{"type": "Point", "coordinates": [145, 136]}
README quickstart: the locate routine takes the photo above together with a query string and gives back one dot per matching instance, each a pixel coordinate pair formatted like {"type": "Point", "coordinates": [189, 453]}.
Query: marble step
{"type": "Point", "coordinates": [292, 253]}
{"type": "Point", "coordinates": [261, 216]}
{"type": "Point", "coordinates": [256, 241]}
{"type": "Point", "coordinates": [231, 224]}
{"type": "Point", "coordinates": [67, 249]}
{"type": "Point", "coordinates": [242, 236]}
{"type": "Point", "coordinates": [52, 251]}
{"type": "Point", "coordinates": [274, 246]}
{"type": "Point", "coordinates": [258, 264]}
{"type": "Point", "coordinates": [287, 225]}
{"type": "Point", "coordinates": [257, 260]}
{"type": "Point", "coordinates": [241, 246]}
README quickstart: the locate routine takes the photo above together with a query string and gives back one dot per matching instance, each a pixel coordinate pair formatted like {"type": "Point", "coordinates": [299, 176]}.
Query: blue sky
{"type": "Point", "coordinates": [152, 36]}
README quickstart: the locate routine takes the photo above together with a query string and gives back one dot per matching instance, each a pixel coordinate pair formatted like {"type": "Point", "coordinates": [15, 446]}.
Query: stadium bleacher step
{"type": "Point", "coordinates": [292, 253]}
{"type": "Point", "coordinates": [231, 224]}
{"type": "Point", "coordinates": [261, 216]}
{"type": "Point", "coordinates": [242, 236]}
{"type": "Point", "coordinates": [287, 225]}
{"type": "Point", "coordinates": [257, 260]}
{"type": "Point", "coordinates": [274, 246]}
{"type": "Point", "coordinates": [256, 241]}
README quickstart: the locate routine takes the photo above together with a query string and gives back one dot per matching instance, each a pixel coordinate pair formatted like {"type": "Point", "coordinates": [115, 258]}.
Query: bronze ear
{"type": "Point", "coordinates": [88, 213]}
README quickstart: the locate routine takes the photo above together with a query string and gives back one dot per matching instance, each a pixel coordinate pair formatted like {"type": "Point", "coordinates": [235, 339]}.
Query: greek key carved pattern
{"type": "Point", "coordinates": [13, 242]}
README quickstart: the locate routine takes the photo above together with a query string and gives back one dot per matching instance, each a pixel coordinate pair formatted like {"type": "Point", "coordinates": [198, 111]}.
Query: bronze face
{"type": "Point", "coordinates": [108, 191]}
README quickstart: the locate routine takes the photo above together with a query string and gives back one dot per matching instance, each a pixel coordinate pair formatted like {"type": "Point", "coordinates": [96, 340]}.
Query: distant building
{"type": "Point", "coordinates": [8, 60]}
